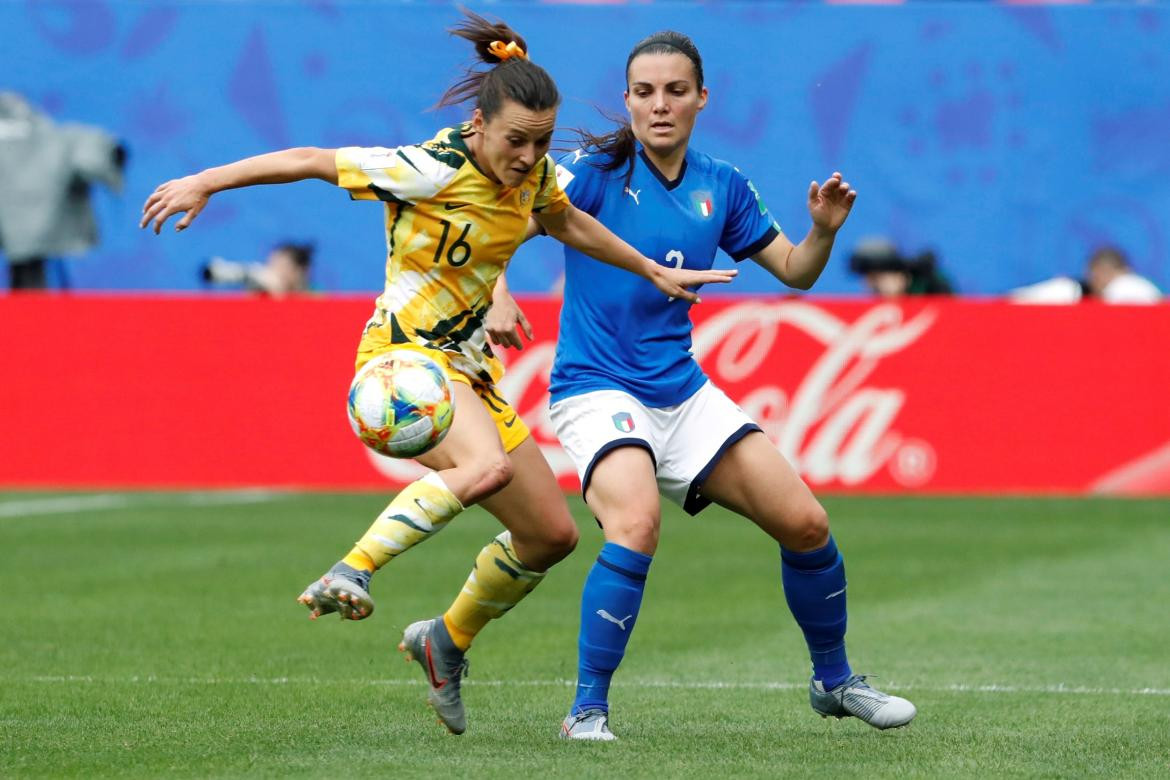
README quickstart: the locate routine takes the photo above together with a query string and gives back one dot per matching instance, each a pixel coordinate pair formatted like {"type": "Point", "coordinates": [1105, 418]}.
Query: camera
{"type": "Point", "coordinates": [284, 272]}
{"type": "Point", "coordinates": [219, 271]}
{"type": "Point", "coordinates": [878, 254]}
{"type": "Point", "coordinates": [889, 272]}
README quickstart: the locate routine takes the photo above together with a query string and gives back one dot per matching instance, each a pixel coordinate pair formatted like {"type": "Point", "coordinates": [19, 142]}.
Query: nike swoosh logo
{"type": "Point", "coordinates": [453, 206]}
{"type": "Point", "coordinates": [511, 422]}
{"type": "Point", "coordinates": [435, 682]}
{"type": "Point", "coordinates": [831, 595]}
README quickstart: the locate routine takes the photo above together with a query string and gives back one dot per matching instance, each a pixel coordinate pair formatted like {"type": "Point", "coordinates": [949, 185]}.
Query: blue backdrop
{"type": "Point", "coordinates": [1010, 139]}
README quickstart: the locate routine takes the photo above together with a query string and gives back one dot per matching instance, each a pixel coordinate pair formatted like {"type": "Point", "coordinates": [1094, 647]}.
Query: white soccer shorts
{"type": "Point", "coordinates": [685, 441]}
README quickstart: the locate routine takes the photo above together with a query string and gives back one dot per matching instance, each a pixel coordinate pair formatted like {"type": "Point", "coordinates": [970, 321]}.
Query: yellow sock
{"type": "Point", "coordinates": [496, 584]}
{"type": "Point", "coordinates": [416, 514]}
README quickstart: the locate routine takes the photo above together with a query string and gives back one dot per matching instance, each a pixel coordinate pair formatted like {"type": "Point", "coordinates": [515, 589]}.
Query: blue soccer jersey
{"type": "Point", "coordinates": [617, 330]}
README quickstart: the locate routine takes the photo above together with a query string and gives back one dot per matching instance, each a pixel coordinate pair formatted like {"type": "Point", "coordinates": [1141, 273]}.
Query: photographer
{"type": "Point", "coordinates": [889, 274]}
{"type": "Point", "coordinates": [284, 272]}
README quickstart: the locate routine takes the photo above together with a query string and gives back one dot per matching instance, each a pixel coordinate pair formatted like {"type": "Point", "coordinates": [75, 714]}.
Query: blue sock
{"type": "Point", "coordinates": [814, 586]}
{"type": "Point", "coordinates": [609, 607]}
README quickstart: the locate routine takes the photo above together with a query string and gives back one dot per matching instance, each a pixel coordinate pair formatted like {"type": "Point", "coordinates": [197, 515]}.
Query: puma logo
{"type": "Point", "coordinates": [634, 194]}
{"type": "Point", "coordinates": [619, 623]}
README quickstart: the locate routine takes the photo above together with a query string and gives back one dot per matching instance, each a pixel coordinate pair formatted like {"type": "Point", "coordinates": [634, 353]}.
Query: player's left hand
{"type": "Point", "coordinates": [505, 322]}
{"type": "Point", "coordinates": [829, 203]}
{"type": "Point", "coordinates": [676, 281]}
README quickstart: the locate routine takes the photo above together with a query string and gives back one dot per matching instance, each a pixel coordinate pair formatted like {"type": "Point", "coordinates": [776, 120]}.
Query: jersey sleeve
{"type": "Point", "coordinates": [581, 181]}
{"type": "Point", "coordinates": [550, 198]}
{"type": "Point", "coordinates": [749, 227]}
{"type": "Point", "coordinates": [405, 174]}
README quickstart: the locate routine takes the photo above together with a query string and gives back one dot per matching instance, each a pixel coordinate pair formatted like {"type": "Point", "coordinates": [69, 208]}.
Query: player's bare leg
{"type": "Point", "coordinates": [756, 481]}
{"type": "Point", "coordinates": [470, 463]}
{"type": "Point", "coordinates": [623, 494]}
{"type": "Point", "coordinates": [540, 532]}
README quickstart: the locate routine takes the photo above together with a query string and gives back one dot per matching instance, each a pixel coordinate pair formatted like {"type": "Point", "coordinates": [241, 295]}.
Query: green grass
{"type": "Point", "coordinates": [157, 634]}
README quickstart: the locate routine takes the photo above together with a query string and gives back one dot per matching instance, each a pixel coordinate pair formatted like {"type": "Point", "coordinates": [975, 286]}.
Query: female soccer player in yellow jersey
{"type": "Point", "coordinates": [457, 207]}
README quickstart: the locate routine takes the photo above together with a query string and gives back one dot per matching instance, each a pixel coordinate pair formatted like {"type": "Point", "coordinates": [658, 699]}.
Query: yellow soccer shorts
{"type": "Point", "coordinates": [512, 429]}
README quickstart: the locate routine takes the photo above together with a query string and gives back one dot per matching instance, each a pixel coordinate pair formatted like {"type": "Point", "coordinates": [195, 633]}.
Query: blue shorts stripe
{"type": "Point", "coordinates": [610, 447]}
{"type": "Point", "coordinates": [696, 503]}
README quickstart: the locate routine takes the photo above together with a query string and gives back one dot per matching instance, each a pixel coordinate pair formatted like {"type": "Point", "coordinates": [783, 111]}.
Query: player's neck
{"type": "Point", "coordinates": [669, 164]}
{"type": "Point", "coordinates": [475, 148]}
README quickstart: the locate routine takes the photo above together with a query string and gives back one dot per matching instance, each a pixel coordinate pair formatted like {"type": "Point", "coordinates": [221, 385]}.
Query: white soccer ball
{"type": "Point", "coordinates": [401, 404]}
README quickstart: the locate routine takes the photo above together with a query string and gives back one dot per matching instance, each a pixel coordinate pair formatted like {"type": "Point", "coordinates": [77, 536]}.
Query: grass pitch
{"type": "Point", "coordinates": [157, 634]}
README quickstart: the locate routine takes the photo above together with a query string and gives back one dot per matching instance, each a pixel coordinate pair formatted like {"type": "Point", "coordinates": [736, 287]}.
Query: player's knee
{"type": "Point", "coordinates": [810, 528]}
{"type": "Point", "coordinates": [637, 532]}
{"type": "Point", "coordinates": [542, 548]}
{"type": "Point", "coordinates": [561, 539]}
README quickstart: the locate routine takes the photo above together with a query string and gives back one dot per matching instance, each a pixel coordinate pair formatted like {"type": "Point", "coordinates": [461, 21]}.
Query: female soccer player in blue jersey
{"type": "Point", "coordinates": [636, 413]}
{"type": "Point", "coordinates": [457, 207]}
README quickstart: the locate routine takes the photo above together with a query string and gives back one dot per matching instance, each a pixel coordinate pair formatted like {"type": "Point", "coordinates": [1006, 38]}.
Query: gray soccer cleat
{"type": "Point", "coordinates": [429, 643]}
{"type": "Point", "coordinates": [856, 698]}
{"type": "Point", "coordinates": [591, 725]}
{"type": "Point", "coordinates": [342, 589]}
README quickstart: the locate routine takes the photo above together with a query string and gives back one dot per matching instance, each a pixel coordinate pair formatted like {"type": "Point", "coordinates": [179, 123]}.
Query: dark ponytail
{"type": "Point", "coordinates": [512, 76]}
{"type": "Point", "coordinates": [619, 145]}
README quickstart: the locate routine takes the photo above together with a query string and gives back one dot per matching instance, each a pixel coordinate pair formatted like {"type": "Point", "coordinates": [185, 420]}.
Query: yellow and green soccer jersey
{"type": "Point", "coordinates": [450, 232]}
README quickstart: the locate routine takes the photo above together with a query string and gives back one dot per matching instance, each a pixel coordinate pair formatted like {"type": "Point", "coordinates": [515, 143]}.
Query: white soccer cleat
{"type": "Point", "coordinates": [590, 725]}
{"type": "Point", "coordinates": [855, 698]}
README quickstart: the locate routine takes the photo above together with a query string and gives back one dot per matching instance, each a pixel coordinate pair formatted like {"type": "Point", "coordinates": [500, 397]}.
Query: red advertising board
{"type": "Point", "coordinates": [921, 395]}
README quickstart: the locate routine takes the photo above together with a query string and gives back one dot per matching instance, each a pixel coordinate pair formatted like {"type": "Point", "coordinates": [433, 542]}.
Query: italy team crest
{"type": "Point", "coordinates": [623, 422]}
{"type": "Point", "coordinates": [704, 204]}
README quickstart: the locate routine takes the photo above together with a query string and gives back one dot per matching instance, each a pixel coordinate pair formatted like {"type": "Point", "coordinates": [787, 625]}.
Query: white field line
{"type": "Point", "coordinates": [57, 505]}
{"type": "Point", "coordinates": [551, 683]}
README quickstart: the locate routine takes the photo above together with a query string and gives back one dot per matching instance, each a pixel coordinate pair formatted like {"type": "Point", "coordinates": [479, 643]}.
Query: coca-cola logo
{"type": "Point", "coordinates": [833, 424]}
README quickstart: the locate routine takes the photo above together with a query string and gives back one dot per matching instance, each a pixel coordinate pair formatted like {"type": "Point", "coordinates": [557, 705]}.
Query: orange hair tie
{"type": "Point", "coordinates": [506, 51]}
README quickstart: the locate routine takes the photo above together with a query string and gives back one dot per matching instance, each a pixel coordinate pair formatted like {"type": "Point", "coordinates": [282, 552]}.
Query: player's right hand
{"type": "Point", "coordinates": [676, 281]}
{"type": "Point", "coordinates": [175, 197]}
{"type": "Point", "coordinates": [502, 321]}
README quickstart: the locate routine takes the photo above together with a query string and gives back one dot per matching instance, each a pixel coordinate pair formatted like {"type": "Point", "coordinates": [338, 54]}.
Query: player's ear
{"type": "Point", "coordinates": [702, 99]}
{"type": "Point", "coordinates": [477, 121]}
{"type": "Point", "coordinates": [626, 98]}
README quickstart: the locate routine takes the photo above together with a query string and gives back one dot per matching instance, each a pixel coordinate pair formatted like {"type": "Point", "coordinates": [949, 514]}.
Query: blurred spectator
{"type": "Point", "coordinates": [45, 175]}
{"type": "Point", "coordinates": [284, 272]}
{"type": "Point", "coordinates": [1108, 277]}
{"type": "Point", "coordinates": [890, 274]}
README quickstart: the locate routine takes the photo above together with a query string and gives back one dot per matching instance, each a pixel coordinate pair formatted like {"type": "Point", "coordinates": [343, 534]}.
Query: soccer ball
{"type": "Point", "coordinates": [401, 404]}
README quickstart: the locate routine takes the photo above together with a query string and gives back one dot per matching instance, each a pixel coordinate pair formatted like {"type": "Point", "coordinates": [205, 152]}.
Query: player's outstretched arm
{"type": "Point", "coordinates": [505, 320]}
{"type": "Point", "coordinates": [585, 234]}
{"type": "Point", "coordinates": [190, 194]}
{"type": "Point", "coordinates": [800, 266]}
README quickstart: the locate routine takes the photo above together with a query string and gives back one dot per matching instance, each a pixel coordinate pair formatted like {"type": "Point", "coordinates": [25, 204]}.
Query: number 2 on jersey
{"type": "Point", "coordinates": [460, 251]}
